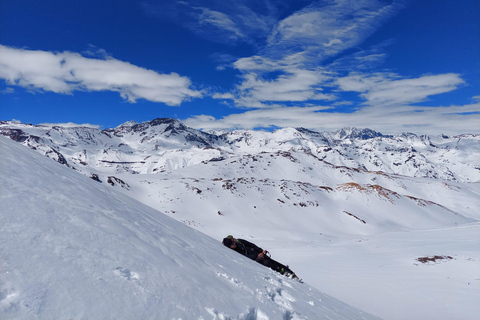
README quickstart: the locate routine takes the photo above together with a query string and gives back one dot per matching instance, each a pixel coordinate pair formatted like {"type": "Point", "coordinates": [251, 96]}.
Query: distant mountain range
{"type": "Point", "coordinates": [166, 164]}
{"type": "Point", "coordinates": [164, 144]}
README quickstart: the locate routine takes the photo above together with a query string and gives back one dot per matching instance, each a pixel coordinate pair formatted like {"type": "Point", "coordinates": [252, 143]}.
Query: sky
{"type": "Point", "coordinates": [393, 66]}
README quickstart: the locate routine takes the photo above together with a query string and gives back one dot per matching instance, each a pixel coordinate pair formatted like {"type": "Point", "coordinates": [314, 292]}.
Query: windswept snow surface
{"type": "Point", "coordinates": [72, 248]}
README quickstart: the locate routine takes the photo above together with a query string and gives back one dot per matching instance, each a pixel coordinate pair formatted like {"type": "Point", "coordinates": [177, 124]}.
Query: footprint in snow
{"type": "Point", "coordinates": [126, 274]}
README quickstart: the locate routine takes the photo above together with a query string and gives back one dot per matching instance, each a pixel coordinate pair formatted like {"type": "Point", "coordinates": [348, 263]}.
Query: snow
{"type": "Point", "coordinates": [381, 274]}
{"type": "Point", "coordinates": [356, 242]}
{"type": "Point", "coordinates": [372, 264]}
{"type": "Point", "coordinates": [166, 144]}
{"type": "Point", "coordinates": [359, 219]}
{"type": "Point", "coordinates": [72, 248]}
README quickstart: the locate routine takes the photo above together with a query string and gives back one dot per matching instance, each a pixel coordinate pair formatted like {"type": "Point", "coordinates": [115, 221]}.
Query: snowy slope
{"type": "Point", "coordinates": [351, 212]}
{"type": "Point", "coordinates": [72, 248]}
{"type": "Point", "coordinates": [360, 242]}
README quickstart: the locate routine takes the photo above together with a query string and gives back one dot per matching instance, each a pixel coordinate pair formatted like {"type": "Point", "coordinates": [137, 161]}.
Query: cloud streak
{"type": "Point", "coordinates": [326, 28]}
{"type": "Point", "coordinates": [217, 20]}
{"type": "Point", "coordinates": [66, 72]}
{"type": "Point", "coordinates": [383, 89]}
{"type": "Point", "coordinates": [291, 83]}
{"type": "Point", "coordinates": [421, 120]}
{"type": "Point", "coordinates": [388, 107]}
{"type": "Point", "coordinates": [289, 67]}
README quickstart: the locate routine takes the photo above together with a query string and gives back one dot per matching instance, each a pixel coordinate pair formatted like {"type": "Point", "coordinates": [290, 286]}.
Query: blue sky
{"type": "Point", "coordinates": [393, 66]}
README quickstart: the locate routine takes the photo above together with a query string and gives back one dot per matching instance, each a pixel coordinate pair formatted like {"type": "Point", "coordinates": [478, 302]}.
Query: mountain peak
{"type": "Point", "coordinates": [357, 133]}
{"type": "Point", "coordinates": [160, 121]}
{"type": "Point", "coordinates": [130, 123]}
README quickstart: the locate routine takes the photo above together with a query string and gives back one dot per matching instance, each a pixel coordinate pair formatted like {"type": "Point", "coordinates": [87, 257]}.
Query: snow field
{"type": "Point", "coordinates": [380, 273]}
{"type": "Point", "coordinates": [357, 243]}
{"type": "Point", "coordinates": [73, 248]}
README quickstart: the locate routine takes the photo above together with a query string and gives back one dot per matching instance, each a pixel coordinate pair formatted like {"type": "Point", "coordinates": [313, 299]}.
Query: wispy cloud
{"type": "Point", "coordinates": [70, 125]}
{"type": "Point", "coordinates": [265, 80]}
{"type": "Point", "coordinates": [7, 91]}
{"type": "Point", "coordinates": [289, 66]}
{"type": "Point", "coordinates": [424, 120]}
{"type": "Point", "coordinates": [326, 28]}
{"type": "Point", "coordinates": [388, 108]}
{"type": "Point", "coordinates": [66, 72]}
{"type": "Point", "coordinates": [300, 62]}
{"type": "Point", "coordinates": [383, 89]}
{"type": "Point", "coordinates": [217, 20]}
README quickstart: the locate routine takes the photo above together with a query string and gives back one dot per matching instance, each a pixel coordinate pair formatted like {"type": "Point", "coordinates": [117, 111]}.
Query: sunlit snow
{"type": "Point", "coordinates": [72, 248]}
{"type": "Point", "coordinates": [387, 224]}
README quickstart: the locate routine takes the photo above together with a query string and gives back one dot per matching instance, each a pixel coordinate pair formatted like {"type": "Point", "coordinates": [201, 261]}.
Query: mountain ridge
{"type": "Point", "coordinates": [405, 154]}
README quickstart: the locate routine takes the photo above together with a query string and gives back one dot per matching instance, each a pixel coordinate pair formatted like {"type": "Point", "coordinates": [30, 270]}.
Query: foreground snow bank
{"type": "Point", "coordinates": [72, 248]}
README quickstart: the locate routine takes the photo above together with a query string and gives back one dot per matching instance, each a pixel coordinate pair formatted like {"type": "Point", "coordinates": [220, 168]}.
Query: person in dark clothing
{"type": "Point", "coordinates": [244, 247]}
{"type": "Point", "coordinates": [256, 253]}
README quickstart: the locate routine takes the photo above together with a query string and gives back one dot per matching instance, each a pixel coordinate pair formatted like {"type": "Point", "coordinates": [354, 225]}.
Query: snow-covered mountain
{"type": "Point", "coordinates": [165, 144]}
{"type": "Point", "coordinates": [388, 224]}
{"type": "Point", "coordinates": [75, 249]}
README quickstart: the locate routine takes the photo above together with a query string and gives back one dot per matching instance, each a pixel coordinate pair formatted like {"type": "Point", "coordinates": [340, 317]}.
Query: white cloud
{"type": "Point", "coordinates": [288, 68]}
{"type": "Point", "coordinates": [218, 21]}
{"type": "Point", "coordinates": [221, 21]}
{"type": "Point", "coordinates": [296, 85]}
{"type": "Point", "coordinates": [256, 63]}
{"type": "Point", "coordinates": [223, 96]}
{"type": "Point", "coordinates": [326, 28]}
{"type": "Point", "coordinates": [382, 89]}
{"type": "Point", "coordinates": [265, 81]}
{"type": "Point", "coordinates": [70, 125]}
{"type": "Point", "coordinates": [333, 42]}
{"type": "Point", "coordinates": [95, 52]}
{"type": "Point", "coordinates": [290, 49]}
{"type": "Point", "coordinates": [388, 107]}
{"type": "Point", "coordinates": [282, 117]}
{"type": "Point", "coordinates": [66, 72]}
{"type": "Point", "coordinates": [421, 120]}
{"type": "Point", "coordinates": [7, 90]}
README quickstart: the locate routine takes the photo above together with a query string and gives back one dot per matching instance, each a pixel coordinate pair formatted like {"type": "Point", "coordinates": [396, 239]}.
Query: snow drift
{"type": "Point", "coordinates": [72, 248]}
